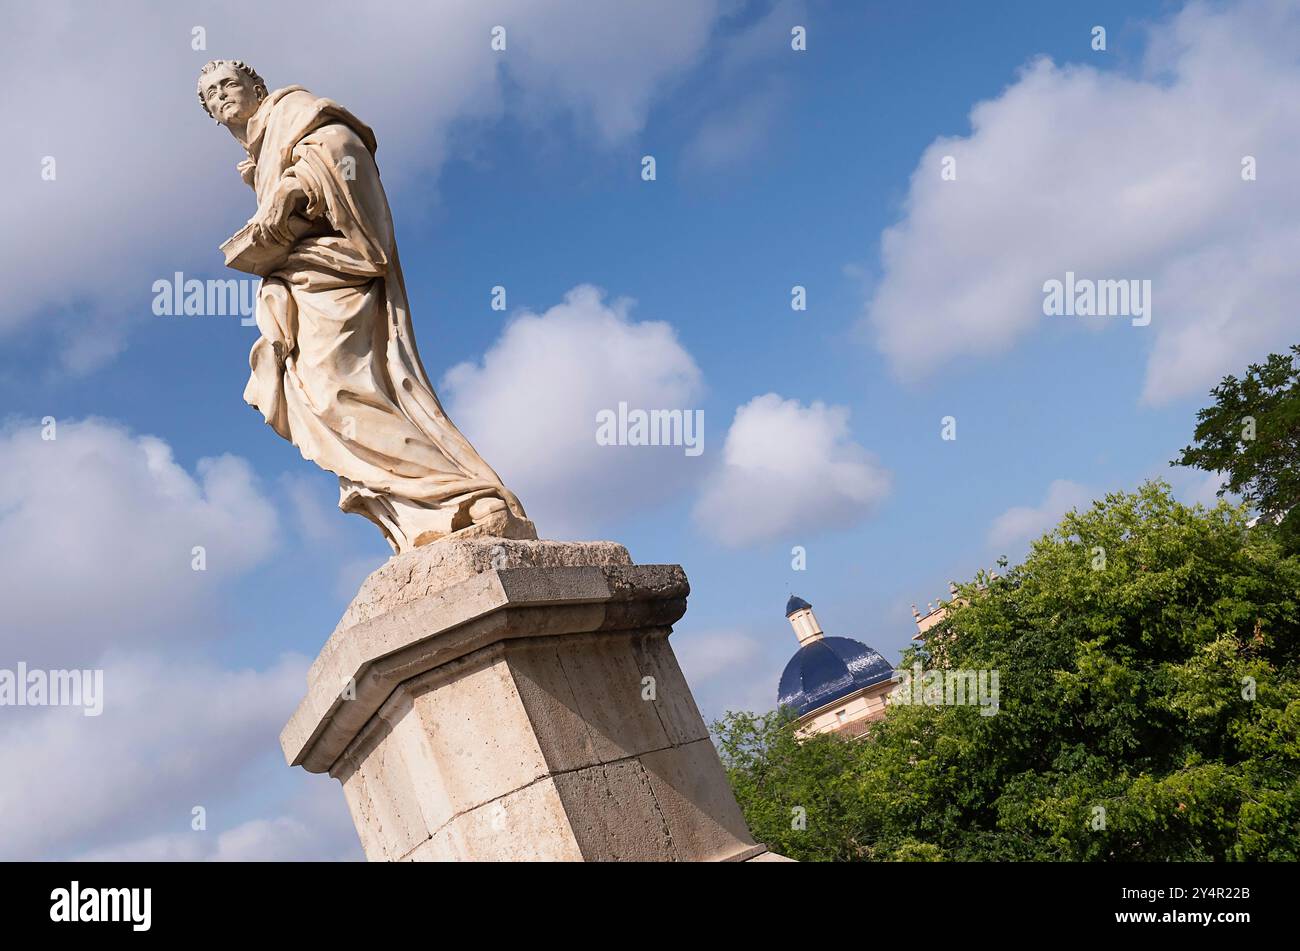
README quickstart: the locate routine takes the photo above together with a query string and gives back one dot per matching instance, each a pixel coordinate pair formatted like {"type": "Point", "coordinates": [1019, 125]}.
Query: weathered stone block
{"type": "Point", "coordinates": [486, 700]}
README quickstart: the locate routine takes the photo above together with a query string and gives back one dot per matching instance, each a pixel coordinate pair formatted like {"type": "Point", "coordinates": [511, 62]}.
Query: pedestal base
{"type": "Point", "coordinates": [517, 700]}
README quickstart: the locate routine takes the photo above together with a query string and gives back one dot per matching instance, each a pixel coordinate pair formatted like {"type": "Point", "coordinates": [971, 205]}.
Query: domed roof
{"type": "Point", "coordinates": [795, 603]}
{"type": "Point", "coordinates": [829, 668]}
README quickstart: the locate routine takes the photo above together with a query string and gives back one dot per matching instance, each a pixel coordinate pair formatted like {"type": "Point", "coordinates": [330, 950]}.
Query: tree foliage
{"type": "Point", "coordinates": [1149, 710]}
{"type": "Point", "coordinates": [1252, 435]}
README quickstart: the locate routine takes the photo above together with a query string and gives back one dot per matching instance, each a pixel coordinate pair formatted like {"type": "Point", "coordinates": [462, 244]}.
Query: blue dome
{"type": "Point", "coordinates": [795, 604]}
{"type": "Point", "coordinates": [829, 668]}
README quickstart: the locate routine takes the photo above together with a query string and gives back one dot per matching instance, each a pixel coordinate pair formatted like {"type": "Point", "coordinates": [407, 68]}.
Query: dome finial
{"type": "Point", "coordinates": [800, 615]}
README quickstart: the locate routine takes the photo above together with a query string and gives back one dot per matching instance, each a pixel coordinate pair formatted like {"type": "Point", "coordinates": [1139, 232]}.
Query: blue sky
{"type": "Point", "coordinates": [774, 168]}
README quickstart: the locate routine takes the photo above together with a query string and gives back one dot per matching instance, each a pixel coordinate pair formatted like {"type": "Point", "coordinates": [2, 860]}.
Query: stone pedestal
{"type": "Point", "coordinates": [517, 700]}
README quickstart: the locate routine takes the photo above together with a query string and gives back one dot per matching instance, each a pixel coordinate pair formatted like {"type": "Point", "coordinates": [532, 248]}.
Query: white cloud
{"type": "Point", "coordinates": [317, 829]}
{"type": "Point", "coordinates": [1075, 168]}
{"type": "Point", "coordinates": [603, 63]}
{"type": "Point", "coordinates": [727, 669]}
{"type": "Point", "coordinates": [705, 655]}
{"type": "Point", "coordinates": [146, 183]}
{"type": "Point", "coordinates": [788, 471]}
{"type": "Point", "coordinates": [173, 734]}
{"type": "Point", "coordinates": [97, 531]}
{"type": "Point", "coordinates": [530, 408]}
{"type": "Point", "coordinates": [1023, 523]}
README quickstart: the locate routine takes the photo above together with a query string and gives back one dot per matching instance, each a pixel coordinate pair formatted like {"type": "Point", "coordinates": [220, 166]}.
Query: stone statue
{"type": "Point", "coordinates": [335, 370]}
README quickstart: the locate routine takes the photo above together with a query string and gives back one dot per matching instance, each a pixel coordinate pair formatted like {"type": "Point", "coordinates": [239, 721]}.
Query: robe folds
{"type": "Point", "coordinates": [335, 370]}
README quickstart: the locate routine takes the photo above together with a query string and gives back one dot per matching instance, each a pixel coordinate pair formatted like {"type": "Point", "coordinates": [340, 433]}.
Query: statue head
{"type": "Point", "coordinates": [230, 91]}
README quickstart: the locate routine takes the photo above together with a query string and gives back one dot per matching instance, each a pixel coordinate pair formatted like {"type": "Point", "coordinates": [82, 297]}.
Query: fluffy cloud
{"type": "Point", "coordinates": [97, 532]}
{"type": "Point", "coordinates": [172, 735]}
{"type": "Point", "coordinates": [1110, 176]}
{"type": "Point", "coordinates": [788, 470]}
{"type": "Point", "coordinates": [145, 183]}
{"type": "Point", "coordinates": [96, 540]}
{"type": "Point", "coordinates": [530, 407]}
{"type": "Point", "coordinates": [1022, 523]}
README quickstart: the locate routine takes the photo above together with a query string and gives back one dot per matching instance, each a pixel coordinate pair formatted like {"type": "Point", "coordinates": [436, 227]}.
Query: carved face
{"type": "Point", "coordinates": [231, 96]}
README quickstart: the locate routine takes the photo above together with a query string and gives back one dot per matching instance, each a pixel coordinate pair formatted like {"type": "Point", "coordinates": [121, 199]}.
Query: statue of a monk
{"type": "Point", "coordinates": [335, 370]}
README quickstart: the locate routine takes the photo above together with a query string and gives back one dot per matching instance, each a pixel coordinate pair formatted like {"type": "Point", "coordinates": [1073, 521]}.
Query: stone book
{"type": "Point", "coordinates": [244, 253]}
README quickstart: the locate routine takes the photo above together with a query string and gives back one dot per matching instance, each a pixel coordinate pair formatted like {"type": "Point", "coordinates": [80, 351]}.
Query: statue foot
{"type": "Point", "coordinates": [492, 518]}
{"type": "Point", "coordinates": [481, 510]}
{"type": "Point", "coordinates": [409, 525]}
{"type": "Point", "coordinates": [484, 518]}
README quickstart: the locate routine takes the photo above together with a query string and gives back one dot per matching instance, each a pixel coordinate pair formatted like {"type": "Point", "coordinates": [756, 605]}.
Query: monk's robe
{"type": "Point", "coordinates": [336, 371]}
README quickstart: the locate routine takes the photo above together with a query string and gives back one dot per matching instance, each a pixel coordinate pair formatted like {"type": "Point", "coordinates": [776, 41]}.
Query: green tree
{"type": "Point", "coordinates": [1149, 709]}
{"type": "Point", "coordinates": [1252, 434]}
{"type": "Point", "coordinates": [801, 796]}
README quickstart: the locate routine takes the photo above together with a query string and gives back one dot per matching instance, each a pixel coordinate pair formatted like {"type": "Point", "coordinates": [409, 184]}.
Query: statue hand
{"type": "Point", "coordinates": [271, 223]}
{"type": "Point", "coordinates": [247, 170]}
